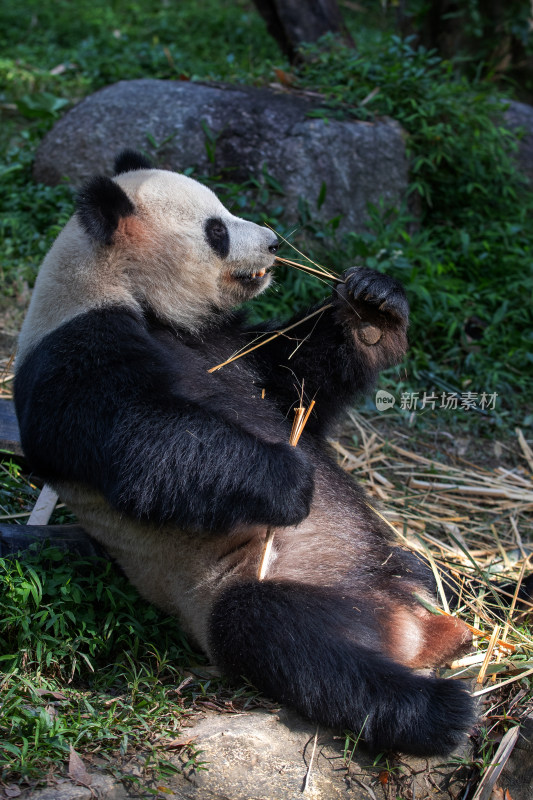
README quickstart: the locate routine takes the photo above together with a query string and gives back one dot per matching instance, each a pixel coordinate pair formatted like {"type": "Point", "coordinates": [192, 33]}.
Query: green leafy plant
{"type": "Point", "coordinates": [86, 663]}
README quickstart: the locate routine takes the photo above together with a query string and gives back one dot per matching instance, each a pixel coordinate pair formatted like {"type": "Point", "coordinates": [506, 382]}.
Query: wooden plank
{"type": "Point", "coordinates": [70, 538]}
{"type": "Point", "coordinates": [43, 508]}
{"type": "Point", "coordinates": [9, 428]}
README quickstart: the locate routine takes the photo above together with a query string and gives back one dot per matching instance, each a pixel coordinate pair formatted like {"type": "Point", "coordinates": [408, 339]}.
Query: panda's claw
{"type": "Point", "coordinates": [381, 291]}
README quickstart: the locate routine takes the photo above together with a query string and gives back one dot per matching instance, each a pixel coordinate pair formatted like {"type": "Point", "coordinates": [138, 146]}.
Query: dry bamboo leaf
{"type": "Point", "coordinates": [174, 744]}
{"type": "Point", "coordinates": [76, 769]}
{"type": "Point", "coordinates": [497, 764]}
{"type": "Point", "coordinates": [12, 790]}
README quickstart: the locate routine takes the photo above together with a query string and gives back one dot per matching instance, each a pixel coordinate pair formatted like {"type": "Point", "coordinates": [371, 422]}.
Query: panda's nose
{"type": "Point", "coordinates": [273, 248]}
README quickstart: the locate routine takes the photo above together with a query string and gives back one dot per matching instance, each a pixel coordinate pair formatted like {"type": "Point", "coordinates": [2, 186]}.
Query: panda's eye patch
{"type": "Point", "coordinates": [217, 235]}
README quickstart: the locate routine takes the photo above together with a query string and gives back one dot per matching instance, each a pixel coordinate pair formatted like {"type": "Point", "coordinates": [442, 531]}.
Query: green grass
{"type": "Point", "coordinates": [89, 664]}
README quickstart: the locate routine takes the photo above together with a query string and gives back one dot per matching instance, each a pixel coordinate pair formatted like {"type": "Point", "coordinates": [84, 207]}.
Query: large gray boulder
{"type": "Point", "coordinates": [519, 119]}
{"type": "Point", "coordinates": [236, 132]}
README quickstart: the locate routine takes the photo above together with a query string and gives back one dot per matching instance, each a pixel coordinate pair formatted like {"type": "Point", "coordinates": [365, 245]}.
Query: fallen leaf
{"type": "Point", "coordinates": [175, 743]}
{"type": "Point", "coordinates": [383, 777]}
{"type": "Point", "coordinates": [11, 791]}
{"type": "Point", "coordinates": [50, 693]}
{"type": "Point", "coordinates": [76, 769]}
{"type": "Point", "coordinates": [285, 78]}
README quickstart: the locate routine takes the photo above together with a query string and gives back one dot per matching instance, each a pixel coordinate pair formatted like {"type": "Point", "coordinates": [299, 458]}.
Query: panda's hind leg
{"type": "Point", "coordinates": [312, 649]}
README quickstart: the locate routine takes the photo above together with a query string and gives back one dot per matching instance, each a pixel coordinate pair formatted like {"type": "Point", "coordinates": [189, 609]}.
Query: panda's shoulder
{"type": "Point", "coordinates": [104, 344]}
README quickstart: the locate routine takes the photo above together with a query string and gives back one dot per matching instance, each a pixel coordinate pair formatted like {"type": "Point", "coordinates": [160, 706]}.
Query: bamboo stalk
{"type": "Point", "coordinates": [298, 416]}
{"type": "Point", "coordinates": [299, 423]}
{"type": "Point", "coordinates": [485, 491]}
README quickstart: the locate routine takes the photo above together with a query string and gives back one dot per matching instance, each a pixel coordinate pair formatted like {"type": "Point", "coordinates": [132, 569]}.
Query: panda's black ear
{"type": "Point", "coordinates": [101, 204]}
{"type": "Point", "coordinates": [129, 160]}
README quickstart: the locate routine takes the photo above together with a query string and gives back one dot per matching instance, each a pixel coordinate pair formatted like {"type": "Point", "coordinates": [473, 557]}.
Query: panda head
{"type": "Point", "coordinates": [163, 241]}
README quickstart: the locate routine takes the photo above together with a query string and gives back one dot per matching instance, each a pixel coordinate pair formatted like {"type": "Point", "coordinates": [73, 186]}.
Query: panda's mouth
{"type": "Point", "coordinates": [250, 277]}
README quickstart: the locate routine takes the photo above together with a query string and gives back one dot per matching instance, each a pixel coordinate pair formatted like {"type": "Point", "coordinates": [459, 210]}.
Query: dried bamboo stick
{"type": "Point", "coordinates": [488, 491]}
{"type": "Point", "coordinates": [526, 449]}
{"type": "Point", "coordinates": [299, 423]}
{"type": "Point", "coordinates": [265, 557]}
{"type": "Point", "coordinates": [298, 416]}
{"type": "Point", "coordinates": [320, 272]}
{"type": "Point", "coordinates": [294, 248]}
{"type": "Point", "coordinates": [271, 338]}
{"type": "Point", "coordinates": [488, 654]}
{"type": "Point", "coordinates": [513, 602]}
{"type": "Point", "coordinates": [302, 422]}
{"type": "Point", "coordinates": [499, 643]}
{"type": "Point", "coordinates": [503, 683]}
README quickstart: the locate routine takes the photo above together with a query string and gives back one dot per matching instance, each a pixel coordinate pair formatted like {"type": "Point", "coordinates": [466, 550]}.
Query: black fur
{"type": "Point", "coordinates": [312, 649]}
{"type": "Point", "coordinates": [101, 204]}
{"type": "Point", "coordinates": [322, 350]}
{"type": "Point", "coordinates": [381, 290]}
{"type": "Point", "coordinates": [227, 460]}
{"type": "Point", "coordinates": [217, 235]}
{"type": "Point", "coordinates": [110, 433]}
{"type": "Point", "coordinates": [130, 160]}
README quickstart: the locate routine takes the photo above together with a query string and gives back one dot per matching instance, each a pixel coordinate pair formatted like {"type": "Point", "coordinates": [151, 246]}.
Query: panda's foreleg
{"type": "Point", "coordinates": [290, 641]}
{"type": "Point", "coordinates": [339, 354]}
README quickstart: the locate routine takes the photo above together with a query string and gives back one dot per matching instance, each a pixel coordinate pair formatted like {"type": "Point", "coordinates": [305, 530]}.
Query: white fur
{"type": "Point", "coordinates": [160, 256]}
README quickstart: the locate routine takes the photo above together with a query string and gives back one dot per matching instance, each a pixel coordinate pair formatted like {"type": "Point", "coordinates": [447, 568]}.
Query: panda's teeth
{"type": "Point", "coordinates": [251, 276]}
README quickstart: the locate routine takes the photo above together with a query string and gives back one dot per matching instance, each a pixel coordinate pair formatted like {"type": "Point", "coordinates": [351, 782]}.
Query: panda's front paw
{"type": "Point", "coordinates": [292, 486]}
{"type": "Point", "coordinates": [382, 292]}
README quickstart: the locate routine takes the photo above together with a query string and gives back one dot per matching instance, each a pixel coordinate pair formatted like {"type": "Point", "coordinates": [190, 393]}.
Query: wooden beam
{"type": "Point", "coordinates": [9, 428]}
{"type": "Point", "coordinates": [70, 538]}
{"type": "Point", "coordinates": [44, 507]}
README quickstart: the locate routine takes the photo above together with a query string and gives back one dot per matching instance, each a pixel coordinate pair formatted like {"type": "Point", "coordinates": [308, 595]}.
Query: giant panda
{"type": "Point", "coordinates": [180, 472]}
